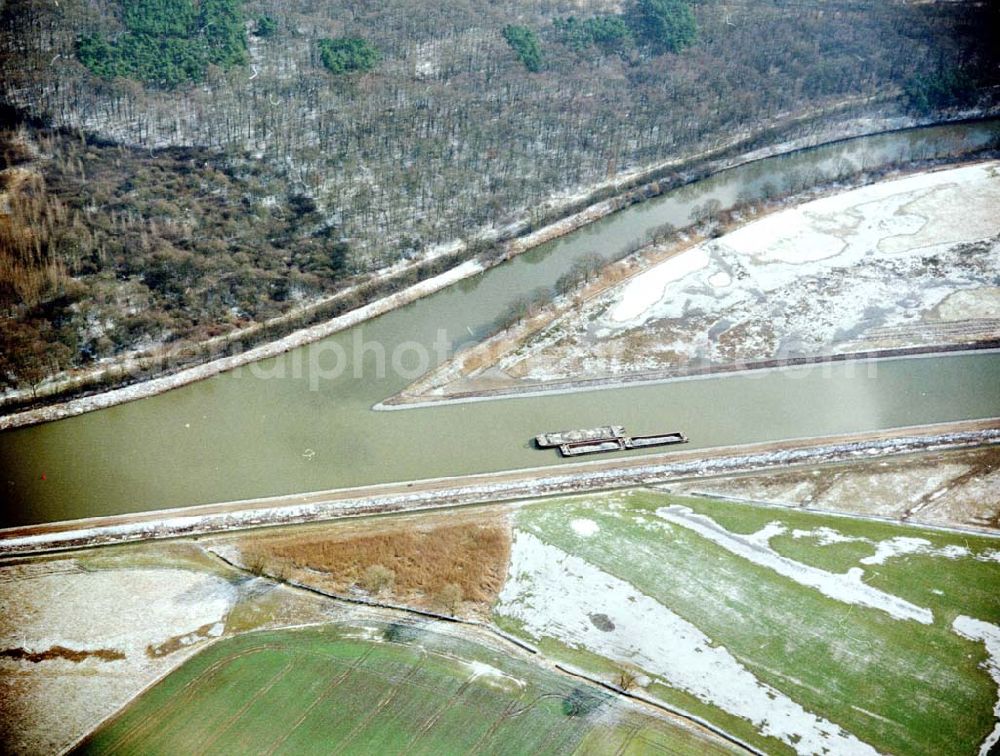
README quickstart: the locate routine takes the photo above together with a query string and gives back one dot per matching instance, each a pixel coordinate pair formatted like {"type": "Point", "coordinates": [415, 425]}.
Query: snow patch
{"type": "Point", "coordinates": [720, 280]}
{"type": "Point", "coordinates": [763, 536]}
{"type": "Point", "coordinates": [903, 545]}
{"type": "Point", "coordinates": [895, 547]}
{"type": "Point", "coordinates": [978, 630]}
{"type": "Point", "coordinates": [584, 527]}
{"type": "Point", "coordinates": [481, 669]}
{"type": "Point", "coordinates": [827, 536]}
{"type": "Point", "coordinates": [787, 236]}
{"type": "Point", "coordinates": [847, 587]}
{"type": "Point", "coordinates": [646, 289]}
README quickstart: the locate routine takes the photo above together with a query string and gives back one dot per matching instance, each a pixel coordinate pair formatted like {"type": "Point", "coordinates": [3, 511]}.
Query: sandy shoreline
{"type": "Point", "coordinates": [404, 402]}
{"type": "Point", "coordinates": [628, 183]}
{"type": "Point", "coordinates": [608, 473]}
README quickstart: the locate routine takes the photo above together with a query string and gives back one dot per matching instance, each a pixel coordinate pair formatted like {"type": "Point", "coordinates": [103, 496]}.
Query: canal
{"type": "Point", "coordinates": [304, 421]}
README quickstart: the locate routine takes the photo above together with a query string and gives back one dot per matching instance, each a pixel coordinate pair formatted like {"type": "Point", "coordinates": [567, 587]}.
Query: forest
{"type": "Point", "coordinates": [274, 152]}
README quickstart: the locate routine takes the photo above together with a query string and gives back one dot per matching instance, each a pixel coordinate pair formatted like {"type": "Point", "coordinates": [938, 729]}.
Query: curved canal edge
{"type": "Point", "coordinates": [629, 187]}
{"type": "Point", "coordinates": [144, 389]}
{"type": "Point", "coordinates": [501, 487]}
{"type": "Point", "coordinates": [402, 401]}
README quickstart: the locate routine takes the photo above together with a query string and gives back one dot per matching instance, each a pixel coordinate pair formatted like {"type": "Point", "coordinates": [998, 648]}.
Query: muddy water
{"type": "Point", "coordinates": [281, 426]}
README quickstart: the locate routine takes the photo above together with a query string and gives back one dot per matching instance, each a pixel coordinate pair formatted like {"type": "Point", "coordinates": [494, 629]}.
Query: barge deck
{"type": "Point", "coordinates": [583, 435]}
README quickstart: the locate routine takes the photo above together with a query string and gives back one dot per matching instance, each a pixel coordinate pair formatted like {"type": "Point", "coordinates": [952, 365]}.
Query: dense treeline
{"type": "Point", "coordinates": [663, 25]}
{"type": "Point", "coordinates": [272, 181]}
{"type": "Point", "coordinates": [645, 26]}
{"type": "Point", "coordinates": [112, 248]}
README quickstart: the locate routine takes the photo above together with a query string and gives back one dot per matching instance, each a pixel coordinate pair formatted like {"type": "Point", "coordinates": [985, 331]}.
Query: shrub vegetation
{"type": "Point", "coordinates": [168, 42]}
{"type": "Point", "coordinates": [347, 55]}
{"type": "Point", "coordinates": [524, 42]}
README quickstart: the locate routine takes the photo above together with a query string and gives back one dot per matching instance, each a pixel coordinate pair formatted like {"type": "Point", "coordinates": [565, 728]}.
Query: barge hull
{"type": "Point", "coordinates": [663, 439]}
{"type": "Point", "coordinates": [591, 447]}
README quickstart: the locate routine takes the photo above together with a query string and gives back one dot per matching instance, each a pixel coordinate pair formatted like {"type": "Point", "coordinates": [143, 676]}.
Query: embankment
{"type": "Point", "coordinates": [609, 473]}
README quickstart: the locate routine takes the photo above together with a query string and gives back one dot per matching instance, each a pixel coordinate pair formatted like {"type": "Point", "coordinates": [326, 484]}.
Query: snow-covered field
{"type": "Point", "coordinates": [825, 650]}
{"type": "Point", "coordinates": [136, 624]}
{"type": "Point", "coordinates": [902, 263]}
{"type": "Point", "coordinates": [554, 594]}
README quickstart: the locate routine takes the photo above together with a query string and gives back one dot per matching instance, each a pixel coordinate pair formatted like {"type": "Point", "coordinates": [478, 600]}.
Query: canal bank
{"type": "Point", "coordinates": [440, 493]}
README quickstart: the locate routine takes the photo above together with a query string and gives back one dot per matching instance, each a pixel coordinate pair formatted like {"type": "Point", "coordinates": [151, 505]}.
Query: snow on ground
{"type": "Point", "coordinates": [895, 547]}
{"type": "Point", "coordinates": [974, 629]}
{"type": "Point", "coordinates": [553, 594]}
{"type": "Point", "coordinates": [124, 610]}
{"type": "Point", "coordinates": [46, 705]}
{"type": "Point", "coordinates": [903, 545]}
{"type": "Point", "coordinates": [812, 239]}
{"type": "Point", "coordinates": [481, 669]}
{"type": "Point", "coordinates": [646, 289]}
{"type": "Point", "coordinates": [847, 587]}
{"type": "Point", "coordinates": [763, 536]}
{"type": "Point", "coordinates": [883, 266]}
{"type": "Point", "coordinates": [909, 487]}
{"type": "Point", "coordinates": [720, 280]}
{"type": "Point", "coordinates": [826, 536]}
{"type": "Point", "coordinates": [584, 527]}
{"type": "Point", "coordinates": [979, 303]}
{"type": "Point", "coordinates": [887, 215]}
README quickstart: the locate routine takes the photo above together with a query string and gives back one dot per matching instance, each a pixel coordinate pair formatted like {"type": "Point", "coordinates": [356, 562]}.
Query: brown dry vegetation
{"type": "Point", "coordinates": [61, 652]}
{"type": "Point", "coordinates": [455, 567]}
{"type": "Point", "coordinates": [28, 217]}
{"type": "Point", "coordinates": [178, 642]}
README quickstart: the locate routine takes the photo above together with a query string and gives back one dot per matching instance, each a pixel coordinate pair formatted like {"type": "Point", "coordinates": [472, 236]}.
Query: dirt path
{"type": "Point", "coordinates": [607, 473]}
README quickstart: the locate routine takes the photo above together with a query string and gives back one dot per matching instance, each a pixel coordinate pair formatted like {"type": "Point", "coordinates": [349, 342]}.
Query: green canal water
{"type": "Point", "coordinates": [279, 427]}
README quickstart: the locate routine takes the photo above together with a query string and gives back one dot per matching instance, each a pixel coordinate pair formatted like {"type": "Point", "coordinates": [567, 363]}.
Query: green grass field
{"type": "Point", "coordinates": [390, 689]}
{"type": "Point", "coordinates": [899, 686]}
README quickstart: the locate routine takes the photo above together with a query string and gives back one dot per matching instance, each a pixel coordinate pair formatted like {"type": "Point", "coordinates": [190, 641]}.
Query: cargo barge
{"type": "Point", "coordinates": [607, 438]}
